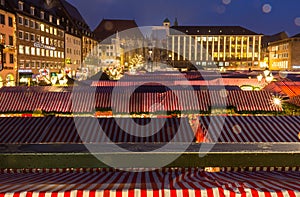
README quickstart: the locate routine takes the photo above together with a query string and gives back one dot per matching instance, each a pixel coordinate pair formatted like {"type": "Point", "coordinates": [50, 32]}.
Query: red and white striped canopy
{"type": "Point", "coordinates": [169, 183]}
{"type": "Point", "coordinates": [121, 100]}
{"type": "Point", "coordinates": [250, 128]}
{"type": "Point", "coordinates": [18, 130]}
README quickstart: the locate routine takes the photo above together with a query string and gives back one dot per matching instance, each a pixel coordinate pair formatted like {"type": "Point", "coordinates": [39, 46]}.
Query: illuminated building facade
{"type": "Point", "coordinates": [231, 47]}
{"type": "Point", "coordinates": [285, 54]}
{"type": "Point", "coordinates": [8, 40]}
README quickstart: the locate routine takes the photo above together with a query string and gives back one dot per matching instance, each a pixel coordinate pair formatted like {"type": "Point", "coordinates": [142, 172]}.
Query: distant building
{"type": "Point", "coordinates": [284, 54]}
{"type": "Point", "coordinates": [119, 40]}
{"type": "Point", "coordinates": [8, 39]}
{"type": "Point", "coordinates": [266, 40]}
{"type": "Point", "coordinates": [231, 47]}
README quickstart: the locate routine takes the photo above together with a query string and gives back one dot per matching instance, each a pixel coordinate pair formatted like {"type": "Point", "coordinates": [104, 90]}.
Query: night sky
{"type": "Point", "coordinates": [260, 16]}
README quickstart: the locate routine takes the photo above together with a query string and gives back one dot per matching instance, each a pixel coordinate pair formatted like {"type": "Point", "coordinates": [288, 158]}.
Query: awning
{"type": "Point", "coordinates": [172, 182]}
{"type": "Point", "coordinates": [250, 128]}
{"type": "Point", "coordinates": [64, 130]}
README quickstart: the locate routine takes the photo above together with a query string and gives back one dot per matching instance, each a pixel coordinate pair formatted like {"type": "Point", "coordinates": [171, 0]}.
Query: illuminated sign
{"type": "Point", "coordinates": [40, 45]}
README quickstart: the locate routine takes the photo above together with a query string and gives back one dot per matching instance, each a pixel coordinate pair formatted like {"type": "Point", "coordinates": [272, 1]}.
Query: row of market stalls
{"type": "Point", "coordinates": [143, 99]}
{"type": "Point", "coordinates": [251, 155]}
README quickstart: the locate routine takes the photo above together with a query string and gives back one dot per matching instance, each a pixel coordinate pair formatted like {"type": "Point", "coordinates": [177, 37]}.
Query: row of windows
{"type": "Point", "coordinates": [243, 39]}
{"type": "Point", "coordinates": [3, 21]}
{"type": "Point", "coordinates": [10, 56]}
{"type": "Point", "coordinates": [75, 52]}
{"type": "Point", "coordinates": [42, 13]}
{"type": "Point", "coordinates": [39, 65]}
{"type": "Point", "coordinates": [10, 40]}
{"type": "Point", "coordinates": [75, 41]}
{"type": "Point", "coordinates": [42, 39]}
{"type": "Point", "coordinates": [42, 27]}
{"type": "Point", "coordinates": [40, 52]}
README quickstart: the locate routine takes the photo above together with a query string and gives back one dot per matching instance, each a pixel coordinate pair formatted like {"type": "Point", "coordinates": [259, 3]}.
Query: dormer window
{"type": "Point", "coordinates": [42, 15]}
{"type": "Point", "coordinates": [20, 4]}
{"type": "Point", "coordinates": [50, 18]}
{"type": "Point", "coordinates": [3, 2]}
{"type": "Point", "coordinates": [32, 11]}
{"type": "Point", "coordinates": [58, 22]}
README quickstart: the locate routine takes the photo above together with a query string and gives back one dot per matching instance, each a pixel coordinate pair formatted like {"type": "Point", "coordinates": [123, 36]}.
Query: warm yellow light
{"type": "Point", "coordinates": [277, 101]}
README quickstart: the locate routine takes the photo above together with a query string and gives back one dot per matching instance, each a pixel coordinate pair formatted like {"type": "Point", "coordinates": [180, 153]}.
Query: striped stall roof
{"type": "Point", "coordinates": [250, 128]}
{"type": "Point", "coordinates": [172, 183]}
{"type": "Point", "coordinates": [33, 130]}
{"type": "Point", "coordinates": [295, 100]}
{"type": "Point", "coordinates": [144, 99]}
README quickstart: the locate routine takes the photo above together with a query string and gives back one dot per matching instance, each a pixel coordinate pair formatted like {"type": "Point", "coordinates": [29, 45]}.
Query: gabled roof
{"type": "Point", "coordinates": [273, 38]}
{"type": "Point", "coordinates": [74, 13]}
{"type": "Point", "coordinates": [296, 36]}
{"type": "Point", "coordinates": [109, 27]}
{"type": "Point", "coordinates": [211, 30]}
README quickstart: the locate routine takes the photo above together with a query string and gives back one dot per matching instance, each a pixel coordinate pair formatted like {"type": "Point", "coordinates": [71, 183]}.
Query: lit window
{"type": "Point", "coordinates": [55, 31]}
{"type": "Point", "coordinates": [57, 22]}
{"type": "Point", "coordinates": [47, 29]}
{"type": "Point", "coordinates": [42, 27]}
{"type": "Point", "coordinates": [27, 50]}
{"type": "Point", "coordinates": [47, 41]}
{"type": "Point", "coordinates": [42, 39]}
{"type": "Point", "coordinates": [43, 52]}
{"type": "Point", "coordinates": [55, 53]}
{"type": "Point", "coordinates": [62, 55]}
{"type": "Point", "coordinates": [51, 53]}
{"type": "Point", "coordinates": [38, 51]}
{"type": "Point", "coordinates": [32, 51]}
{"type": "Point", "coordinates": [21, 49]}
{"type": "Point", "coordinates": [47, 53]}
{"type": "Point", "coordinates": [58, 54]}
{"type": "Point", "coordinates": [51, 30]}
{"type": "Point", "coordinates": [50, 18]}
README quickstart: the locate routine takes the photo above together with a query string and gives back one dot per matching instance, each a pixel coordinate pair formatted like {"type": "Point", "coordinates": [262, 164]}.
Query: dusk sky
{"type": "Point", "coordinates": [260, 16]}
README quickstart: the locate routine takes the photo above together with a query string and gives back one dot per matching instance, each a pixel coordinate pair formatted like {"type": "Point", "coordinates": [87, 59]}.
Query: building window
{"type": "Point", "coordinates": [42, 15]}
{"type": "Point", "coordinates": [20, 19]}
{"type": "Point", "coordinates": [38, 51]}
{"type": "Point", "coordinates": [33, 65]}
{"type": "Point", "coordinates": [43, 52]}
{"type": "Point", "coordinates": [26, 36]}
{"type": "Point", "coordinates": [37, 26]}
{"type": "Point", "coordinates": [21, 49]}
{"type": "Point", "coordinates": [55, 31]}
{"type": "Point", "coordinates": [57, 22]}
{"type": "Point", "coordinates": [21, 34]}
{"type": "Point", "coordinates": [37, 38]}
{"type": "Point", "coordinates": [3, 2]}
{"type": "Point", "coordinates": [27, 50]}
{"type": "Point", "coordinates": [32, 37]}
{"type": "Point", "coordinates": [47, 53]}
{"type": "Point", "coordinates": [32, 11]}
{"type": "Point", "coordinates": [20, 5]}
{"type": "Point", "coordinates": [11, 58]}
{"type": "Point", "coordinates": [50, 18]}
{"type": "Point", "coordinates": [47, 29]}
{"type": "Point", "coordinates": [11, 40]}
{"type": "Point", "coordinates": [10, 21]}
{"type": "Point", "coordinates": [51, 53]}
{"type": "Point", "coordinates": [2, 19]}
{"type": "Point", "coordinates": [38, 65]}
{"type": "Point", "coordinates": [31, 23]}
{"type": "Point", "coordinates": [47, 41]}
{"type": "Point", "coordinates": [42, 39]}
{"type": "Point", "coordinates": [51, 30]}
{"type": "Point", "coordinates": [26, 22]}
{"type": "Point", "coordinates": [32, 51]}
{"type": "Point", "coordinates": [42, 27]}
